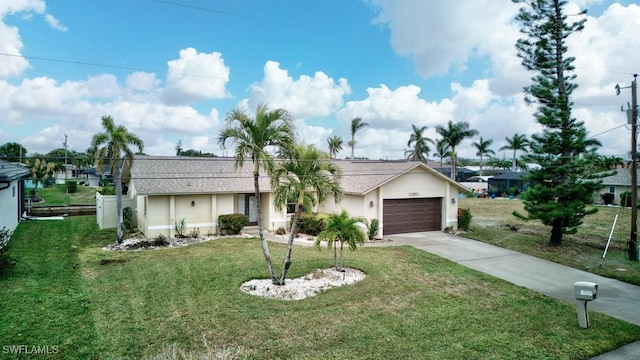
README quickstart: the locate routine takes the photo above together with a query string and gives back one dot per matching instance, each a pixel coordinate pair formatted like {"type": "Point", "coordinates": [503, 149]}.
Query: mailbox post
{"type": "Point", "coordinates": [584, 291]}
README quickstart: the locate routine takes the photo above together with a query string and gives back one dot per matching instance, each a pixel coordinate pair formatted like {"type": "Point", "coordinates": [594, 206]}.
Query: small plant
{"type": "Point", "coordinates": [464, 219]}
{"type": "Point", "coordinates": [6, 261]}
{"type": "Point", "coordinates": [625, 199]}
{"type": "Point", "coordinates": [373, 226]}
{"type": "Point", "coordinates": [232, 224]}
{"type": "Point", "coordinates": [280, 231]}
{"type": "Point", "coordinates": [195, 233]}
{"type": "Point", "coordinates": [181, 227]}
{"type": "Point", "coordinates": [107, 190]}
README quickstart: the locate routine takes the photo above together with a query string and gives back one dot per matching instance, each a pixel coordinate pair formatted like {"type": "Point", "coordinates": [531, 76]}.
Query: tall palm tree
{"type": "Point", "coordinates": [516, 143]}
{"type": "Point", "coordinates": [356, 124]}
{"type": "Point", "coordinates": [112, 146]}
{"type": "Point", "coordinates": [442, 150]}
{"type": "Point", "coordinates": [421, 149]}
{"type": "Point", "coordinates": [483, 149]}
{"type": "Point", "coordinates": [343, 229]}
{"type": "Point", "coordinates": [252, 137]}
{"type": "Point", "coordinates": [454, 134]}
{"type": "Point", "coordinates": [335, 144]}
{"type": "Point", "coordinates": [308, 172]}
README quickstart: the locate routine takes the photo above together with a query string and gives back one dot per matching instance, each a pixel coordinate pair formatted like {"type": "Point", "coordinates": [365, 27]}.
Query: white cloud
{"type": "Point", "coordinates": [195, 77]}
{"type": "Point", "coordinates": [442, 36]}
{"type": "Point", "coordinates": [54, 23]}
{"type": "Point", "coordinates": [306, 97]}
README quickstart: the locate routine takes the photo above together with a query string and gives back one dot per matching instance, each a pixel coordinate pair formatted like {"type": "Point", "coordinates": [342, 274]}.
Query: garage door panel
{"type": "Point", "coordinates": [411, 215]}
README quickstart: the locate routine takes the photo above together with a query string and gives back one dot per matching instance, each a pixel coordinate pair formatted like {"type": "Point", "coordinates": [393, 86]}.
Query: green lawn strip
{"type": "Point", "coordinates": [43, 301]}
{"type": "Point", "coordinates": [411, 305]}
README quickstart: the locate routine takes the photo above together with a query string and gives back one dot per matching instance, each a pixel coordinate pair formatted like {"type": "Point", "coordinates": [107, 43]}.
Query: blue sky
{"type": "Point", "coordinates": [171, 70]}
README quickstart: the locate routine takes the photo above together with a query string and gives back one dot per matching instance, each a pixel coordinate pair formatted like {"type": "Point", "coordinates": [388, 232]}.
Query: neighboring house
{"type": "Point", "coordinates": [515, 182]}
{"type": "Point", "coordinates": [404, 196]}
{"type": "Point", "coordinates": [12, 193]}
{"type": "Point", "coordinates": [616, 184]}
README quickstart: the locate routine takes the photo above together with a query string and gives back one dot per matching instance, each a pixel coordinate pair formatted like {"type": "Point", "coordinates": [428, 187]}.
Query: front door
{"type": "Point", "coordinates": [247, 205]}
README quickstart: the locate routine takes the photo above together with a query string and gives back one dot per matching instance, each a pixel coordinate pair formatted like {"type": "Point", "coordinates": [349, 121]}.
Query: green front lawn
{"type": "Point", "coordinates": [89, 303]}
{"type": "Point", "coordinates": [57, 195]}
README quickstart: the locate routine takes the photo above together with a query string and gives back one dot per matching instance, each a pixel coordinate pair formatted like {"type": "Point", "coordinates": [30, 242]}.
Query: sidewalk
{"type": "Point", "coordinates": [615, 298]}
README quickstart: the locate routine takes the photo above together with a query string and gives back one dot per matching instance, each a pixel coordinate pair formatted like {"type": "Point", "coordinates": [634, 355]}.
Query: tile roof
{"type": "Point", "coordinates": [193, 175]}
{"type": "Point", "coordinates": [10, 171]}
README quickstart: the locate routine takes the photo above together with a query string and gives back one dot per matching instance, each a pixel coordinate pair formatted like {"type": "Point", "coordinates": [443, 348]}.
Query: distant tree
{"type": "Point", "coordinates": [518, 142]}
{"type": "Point", "coordinates": [442, 150]}
{"type": "Point", "coordinates": [196, 153]}
{"type": "Point", "coordinates": [454, 134]}
{"type": "Point", "coordinates": [179, 148]}
{"type": "Point", "coordinates": [342, 228]}
{"type": "Point", "coordinates": [335, 144]}
{"type": "Point", "coordinates": [502, 164]}
{"type": "Point", "coordinates": [40, 171]}
{"type": "Point", "coordinates": [252, 138]}
{"type": "Point", "coordinates": [483, 150]}
{"type": "Point", "coordinates": [112, 147]}
{"type": "Point", "coordinates": [562, 187]}
{"type": "Point", "coordinates": [418, 144]}
{"type": "Point", "coordinates": [12, 152]}
{"type": "Point", "coordinates": [307, 172]}
{"type": "Point", "coordinates": [356, 124]}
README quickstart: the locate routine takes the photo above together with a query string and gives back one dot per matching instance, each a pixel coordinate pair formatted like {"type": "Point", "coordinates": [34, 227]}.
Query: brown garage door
{"type": "Point", "coordinates": [411, 215]}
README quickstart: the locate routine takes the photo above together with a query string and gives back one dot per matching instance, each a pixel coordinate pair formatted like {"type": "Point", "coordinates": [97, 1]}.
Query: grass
{"type": "Point", "coordinates": [494, 223]}
{"type": "Point", "coordinates": [67, 292]}
{"type": "Point", "coordinates": [57, 195]}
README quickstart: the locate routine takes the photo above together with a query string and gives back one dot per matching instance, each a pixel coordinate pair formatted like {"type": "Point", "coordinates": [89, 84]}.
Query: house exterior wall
{"type": "Point", "coordinates": [164, 211]}
{"type": "Point", "coordinates": [10, 199]}
{"type": "Point", "coordinates": [619, 189]}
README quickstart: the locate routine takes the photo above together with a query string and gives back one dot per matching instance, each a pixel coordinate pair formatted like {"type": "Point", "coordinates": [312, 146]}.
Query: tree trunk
{"type": "Point", "coordinates": [341, 257]}
{"type": "Point", "coordinates": [514, 162]}
{"type": "Point", "coordinates": [335, 254]}
{"type": "Point", "coordinates": [556, 234]}
{"type": "Point", "coordinates": [287, 259]}
{"type": "Point", "coordinates": [117, 178]}
{"type": "Point", "coordinates": [263, 240]}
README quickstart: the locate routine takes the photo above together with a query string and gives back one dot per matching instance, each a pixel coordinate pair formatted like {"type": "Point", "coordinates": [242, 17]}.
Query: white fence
{"type": "Point", "coordinates": [106, 210]}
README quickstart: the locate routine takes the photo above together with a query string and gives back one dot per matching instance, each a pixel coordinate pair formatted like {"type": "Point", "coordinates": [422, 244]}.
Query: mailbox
{"type": "Point", "coordinates": [585, 290]}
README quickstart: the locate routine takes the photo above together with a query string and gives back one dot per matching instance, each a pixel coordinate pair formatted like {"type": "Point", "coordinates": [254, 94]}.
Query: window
{"type": "Point", "coordinates": [291, 208]}
{"type": "Point", "coordinates": [612, 189]}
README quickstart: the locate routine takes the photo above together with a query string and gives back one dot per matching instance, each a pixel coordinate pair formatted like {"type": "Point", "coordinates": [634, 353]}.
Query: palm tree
{"type": "Point", "coordinates": [483, 149]}
{"type": "Point", "coordinates": [517, 142]}
{"type": "Point", "coordinates": [442, 150]}
{"type": "Point", "coordinates": [41, 170]}
{"type": "Point", "coordinates": [420, 150]}
{"type": "Point", "coordinates": [335, 144]}
{"type": "Point", "coordinates": [112, 146]}
{"type": "Point", "coordinates": [454, 134]}
{"type": "Point", "coordinates": [344, 229]}
{"type": "Point", "coordinates": [252, 137]}
{"type": "Point", "coordinates": [356, 124]}
{"type": "Point", "coordinates": [308, 172]}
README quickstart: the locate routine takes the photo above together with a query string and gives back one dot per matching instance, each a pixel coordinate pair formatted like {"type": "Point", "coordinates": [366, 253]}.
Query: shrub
{"type": "Point", "coordinates": [72, 186]}
{"type": "Point", "coordinates": [107, 190]}
{"type": "Point", "coordinates": [373, 227]}
{"type": "Point", "coordinates": [625, 199]}
{"type": "Point", "coordinates": [159, 240]}
{"type": "Point", "coordinates": [127, 221]}
{"type": "Point", "coordinates": [311, 224]}
{"type": "Point", "coordinates": [607, 198]}
{"type": "Point", "coordinates": [280, 231]}
{"type": "Point", "coordinates": [464, 219]}
{"type": "Point", "coordinates": [6, 261]}
{"type": "Point", "coordinates": [232, 224]}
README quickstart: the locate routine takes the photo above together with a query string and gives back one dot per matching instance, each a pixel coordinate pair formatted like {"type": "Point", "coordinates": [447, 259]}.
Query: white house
{"type": "Point", "coordinates": [11, 194]}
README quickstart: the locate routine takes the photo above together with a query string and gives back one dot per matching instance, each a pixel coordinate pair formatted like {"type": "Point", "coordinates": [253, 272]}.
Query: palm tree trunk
{"type": "Point", "coordinates": [117, 178]}
{"type": "Point", "coordinates": [292, 233]}
{"type": "Point", "coordinates": [341, 257]}
{"type": "Point", "coordinates": [263, 240]}
{"type": "Point", "coordinates": [335, 254]}
{"type": "Point", "coordinates": [513, 162]}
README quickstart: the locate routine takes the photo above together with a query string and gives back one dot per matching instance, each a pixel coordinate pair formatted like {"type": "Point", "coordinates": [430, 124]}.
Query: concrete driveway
{"type": "Point", "coordinates": [615, 298]}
